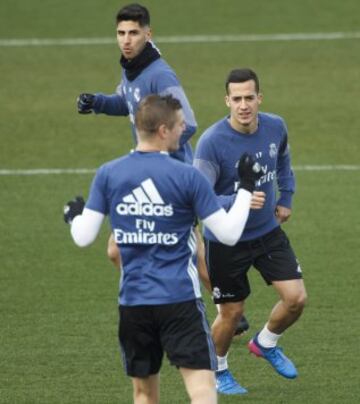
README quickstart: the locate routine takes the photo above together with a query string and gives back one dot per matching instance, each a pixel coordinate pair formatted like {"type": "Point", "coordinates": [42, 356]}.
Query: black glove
{"type": "Point", "coordinates": [249, 172]}
{"type": "Point", "coordinates": [85, 103]}
{"type": "Point", "coordinates": [73, 208]}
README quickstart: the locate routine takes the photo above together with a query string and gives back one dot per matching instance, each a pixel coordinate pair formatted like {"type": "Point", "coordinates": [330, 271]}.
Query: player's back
{"type": "Point", "coordinates": [150, 203]}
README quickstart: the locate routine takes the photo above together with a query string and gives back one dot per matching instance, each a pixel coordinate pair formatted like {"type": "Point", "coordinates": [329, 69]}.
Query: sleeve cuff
{"type": "Point", "coordinates": [285, 199]}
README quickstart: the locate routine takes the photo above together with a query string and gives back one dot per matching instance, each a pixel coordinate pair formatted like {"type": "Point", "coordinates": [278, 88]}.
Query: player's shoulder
{"type": "Point", "coordinates": [271, 119]}
{"type": "Point", "coordinates": [160, 67]}
{"type": "Point", "coordinates": [181, 168]}
{"type": "Point", "coordinates": [213, 132]}
{"type": "Point", "coordinates": [113, 164]}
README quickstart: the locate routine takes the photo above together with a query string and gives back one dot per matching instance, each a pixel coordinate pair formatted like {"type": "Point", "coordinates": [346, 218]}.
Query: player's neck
{"type": "Point", "coordinates": [246, 129]}
{"type": "Point", "coordinates": [150, 147]}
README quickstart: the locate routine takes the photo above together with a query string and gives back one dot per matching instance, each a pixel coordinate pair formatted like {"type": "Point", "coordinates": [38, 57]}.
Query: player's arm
{"type": "Point", "coordinates": [86, 227]}
{"type": "Point", "coordinates": [285, 180]}
{"type": "Point", "coordinates": [206, 161]}
{"type": "Point", "coordinates": [190, 122]}
{"type": "Point", "coordinates": [114, 104]}
{"type": "Point", "coordinates": [211, 172]}
{"type": "Point", "coordinates": [165, 82]}
{"type": "Point", "coordinates": [228, 226]}
{"type": "Point", "coordinates": [86, 219]}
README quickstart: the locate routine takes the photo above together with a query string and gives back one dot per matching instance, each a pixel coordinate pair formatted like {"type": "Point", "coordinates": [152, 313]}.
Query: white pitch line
{"type": "Point", "coordinates": [339, 167]}
{"type": "Point", "coordinates": [47, 171]}
{"type": "Point", "coordinates": [315, 36]}
{"type": "Point", "coordinates": [81, 171]}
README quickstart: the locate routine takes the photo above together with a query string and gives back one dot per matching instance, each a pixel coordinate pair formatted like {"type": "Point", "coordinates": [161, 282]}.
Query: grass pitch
{"type": "Point", "coordinates": [58, 314]}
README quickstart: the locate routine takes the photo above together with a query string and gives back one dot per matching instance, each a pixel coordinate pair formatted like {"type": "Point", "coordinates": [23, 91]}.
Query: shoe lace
{"type": "Point", "coordinates": [276, 354]}
{"type": "Point", "coordinates": [226, 379]}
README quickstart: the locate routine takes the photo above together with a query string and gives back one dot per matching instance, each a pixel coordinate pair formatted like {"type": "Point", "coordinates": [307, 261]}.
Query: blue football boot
{"type": "Point", "coordinates": [275, 357]}
{"type": "Point", "coordinates": [226, 383]}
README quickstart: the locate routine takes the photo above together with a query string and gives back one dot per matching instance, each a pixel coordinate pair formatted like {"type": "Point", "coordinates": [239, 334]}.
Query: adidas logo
{"type": "Point", "coordinates": [144, 200]}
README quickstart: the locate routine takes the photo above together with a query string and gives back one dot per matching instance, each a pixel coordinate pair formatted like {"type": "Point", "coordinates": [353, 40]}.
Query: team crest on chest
{"type": "Point", "coordinates": [273, 150]}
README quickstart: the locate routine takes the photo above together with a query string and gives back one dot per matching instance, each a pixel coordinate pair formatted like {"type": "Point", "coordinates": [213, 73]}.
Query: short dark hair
{"type": "Point", "coordinates": [154, 111]}
{"type": "Point", "coordinates": [134, 12]}
{"type": "Point", "coordinates": [240, 76]}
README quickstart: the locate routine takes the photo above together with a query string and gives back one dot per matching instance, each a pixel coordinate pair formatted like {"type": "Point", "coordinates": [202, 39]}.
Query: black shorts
{"type": "Point", "coordinates": [270, 254]}
{"type": "Point", "coordinates": [179, 329]}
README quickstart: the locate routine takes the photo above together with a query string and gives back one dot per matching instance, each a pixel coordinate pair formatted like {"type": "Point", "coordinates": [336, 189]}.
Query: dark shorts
{"type": "Point", "coordinates": [270, 254]}
{"type": "Point", "coordinates": [180, 329]}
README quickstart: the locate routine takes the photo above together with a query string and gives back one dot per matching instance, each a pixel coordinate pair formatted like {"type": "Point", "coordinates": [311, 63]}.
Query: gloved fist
{"type": "Point", "coordinates": [85, 103]}
{"type": "Point", "coordinates": [249, 172]}
{"type": "Point", "coordinates": [73, 208]}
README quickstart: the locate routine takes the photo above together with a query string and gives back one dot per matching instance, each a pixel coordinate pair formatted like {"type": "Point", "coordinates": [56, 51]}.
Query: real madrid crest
{"type": "Point", "coordinates": [272, 150]}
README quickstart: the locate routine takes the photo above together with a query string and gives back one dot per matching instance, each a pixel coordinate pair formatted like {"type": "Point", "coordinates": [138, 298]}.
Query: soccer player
{"type": "Point", "coordinates": [152, 201]}
{"type": "Point", "coordinates": [263, 243]}
{"type": "Point", "coordinates": [145, 72]}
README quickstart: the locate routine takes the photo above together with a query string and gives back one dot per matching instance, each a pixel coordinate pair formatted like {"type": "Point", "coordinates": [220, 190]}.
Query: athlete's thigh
{"type": "Point", "coordinates": [139, 341]}
{"type": "Point", "coordinates": [228, 266]}
{"type": "Point", "coordinates": [185, 335]}
{"type": "Point", "coordinates": [278, 261]}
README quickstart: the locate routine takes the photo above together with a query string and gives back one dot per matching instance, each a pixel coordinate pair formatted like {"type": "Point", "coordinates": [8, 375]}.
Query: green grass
{"type": "Point", "coordinates": [58, 313]}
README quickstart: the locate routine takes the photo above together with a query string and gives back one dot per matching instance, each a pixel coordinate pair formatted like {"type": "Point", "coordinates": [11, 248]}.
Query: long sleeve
{"type": "Point", "coordinates": [190, 122]}
{"type": "Point", "coordinates": [228, 226]}
{"type": "Point", "coordinates": [110, 105]}
{"type": "Point", "coordinates": [285, 175]}
{"type": "Point", "coordinates": [86, 227]}
{"type": "Point", "coordinates": [211, 172]}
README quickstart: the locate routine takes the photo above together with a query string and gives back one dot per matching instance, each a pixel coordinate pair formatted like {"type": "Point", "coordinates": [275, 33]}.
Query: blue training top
{"type": "Point", "coordinates": [218, 152]}
{"type": "Point", "coordinates": [152, 200]}
{"type": "Point", "coordinates": [157, 78]}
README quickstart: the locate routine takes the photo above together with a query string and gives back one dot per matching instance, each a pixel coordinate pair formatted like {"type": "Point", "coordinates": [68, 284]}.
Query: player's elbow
{"type": "Point", "coordinates": [81, 241]}
{"type": "Point", "coordinates": [81, 236]}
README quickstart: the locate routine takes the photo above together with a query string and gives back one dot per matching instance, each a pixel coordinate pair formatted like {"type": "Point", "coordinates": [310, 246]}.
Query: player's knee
{"type": "Point", "coordinates": [144, 395]}
{"type": "Point", "coordinates": [297, 302]}
{"type": "Point", "coordinates": [143, 398]}
{"type": "Point", "coordinates": [204, 393]}
{"type": "Point", "coordinates": [231, 312]}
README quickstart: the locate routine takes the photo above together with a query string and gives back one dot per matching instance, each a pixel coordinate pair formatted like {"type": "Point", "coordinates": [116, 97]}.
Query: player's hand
{"type": "Point", "coordinates": [282, 214]}
{"type": "Point", "coordinates": [249, 172]}
{"type": "Point", "coordinates": [85, 103]}
{"type": "Point", "coordinates": [73, 208]}
{"type": "Point", "coordinates": [257, 200]}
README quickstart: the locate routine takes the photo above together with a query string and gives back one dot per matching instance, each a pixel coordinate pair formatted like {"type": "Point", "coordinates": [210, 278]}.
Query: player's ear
{"type": "Point", "coordinates": [260, 98]}
{"type": "Point", "coordinates": [227, 101]}
{"type": "Point", "coordinates": [162, 131]}
{"type": "Point", "coordinates": [148, 33]}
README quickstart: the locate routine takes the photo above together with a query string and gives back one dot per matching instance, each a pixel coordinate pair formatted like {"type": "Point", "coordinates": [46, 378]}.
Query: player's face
{"type": "Point", "coordinates": [131, 38]}
{"type": "Point", "coordinates": [174, 134]}
{"type": "Point", "coordinates": [243, 102]}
